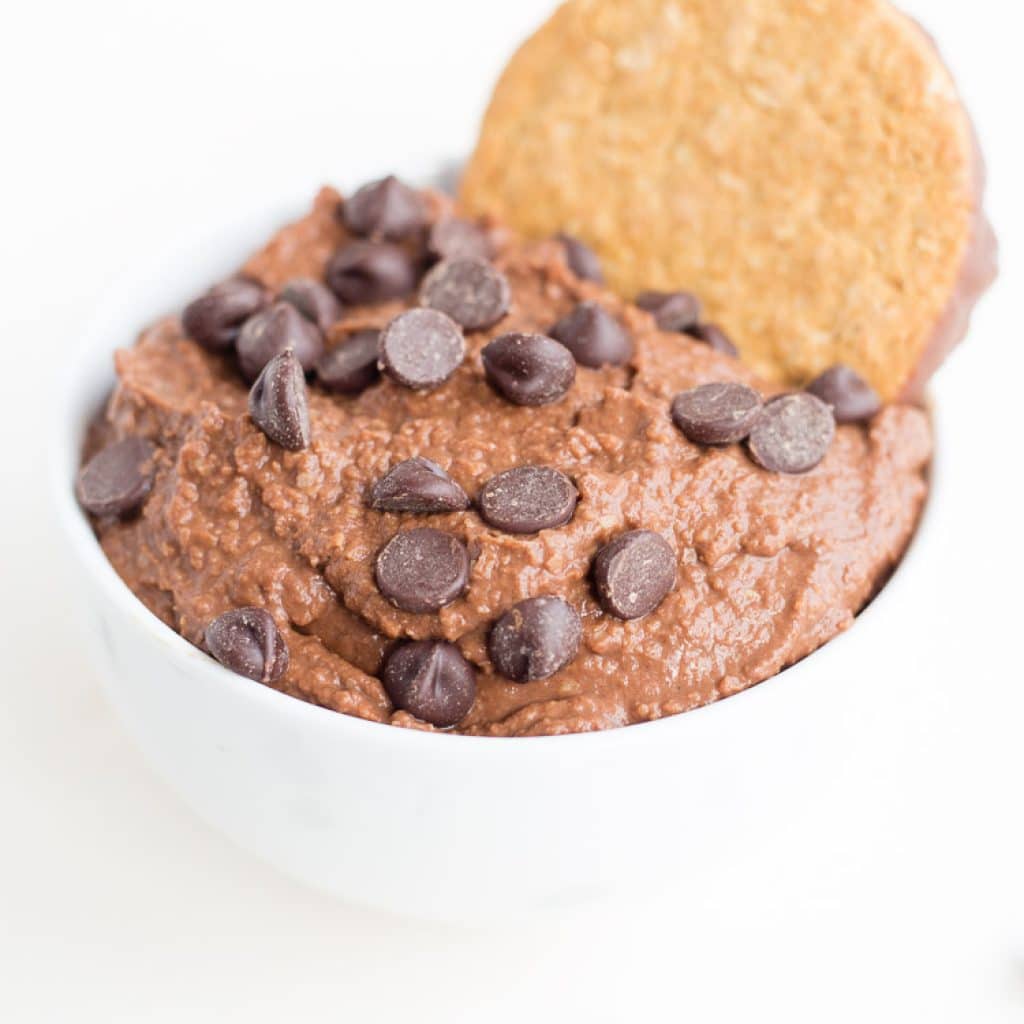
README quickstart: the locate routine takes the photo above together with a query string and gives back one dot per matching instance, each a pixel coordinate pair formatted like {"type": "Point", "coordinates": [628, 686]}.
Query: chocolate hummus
{"type": "Point", "coordinates": [549, 517]}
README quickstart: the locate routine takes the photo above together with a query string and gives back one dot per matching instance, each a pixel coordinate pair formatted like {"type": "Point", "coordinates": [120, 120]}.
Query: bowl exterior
{"type": "Point", "coordinates": [459, 828]}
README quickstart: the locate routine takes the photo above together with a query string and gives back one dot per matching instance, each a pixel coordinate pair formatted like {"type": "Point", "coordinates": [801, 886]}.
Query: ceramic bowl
{"type": "Point", "coordinates": [460, 828]}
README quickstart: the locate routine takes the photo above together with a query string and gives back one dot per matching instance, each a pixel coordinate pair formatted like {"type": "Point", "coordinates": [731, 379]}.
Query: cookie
{"type": "Point", "coordinates": [805, 167]}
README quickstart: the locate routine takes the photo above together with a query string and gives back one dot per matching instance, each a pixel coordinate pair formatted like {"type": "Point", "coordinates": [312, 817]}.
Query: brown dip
{"type": "Point", "coordinates": [770, 566]}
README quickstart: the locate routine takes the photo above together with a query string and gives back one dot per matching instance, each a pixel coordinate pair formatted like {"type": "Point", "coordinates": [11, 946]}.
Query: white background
{"type": "Point", "coordinates": [124, 122]}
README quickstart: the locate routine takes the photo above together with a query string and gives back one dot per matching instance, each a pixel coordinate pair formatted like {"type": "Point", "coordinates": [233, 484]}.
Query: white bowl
{"type": "Point", "coordinates": [452, 827]}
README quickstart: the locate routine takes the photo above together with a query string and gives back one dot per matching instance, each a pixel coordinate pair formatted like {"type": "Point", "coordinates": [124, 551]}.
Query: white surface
{"type": "Point", "coordinates": [898, 899]}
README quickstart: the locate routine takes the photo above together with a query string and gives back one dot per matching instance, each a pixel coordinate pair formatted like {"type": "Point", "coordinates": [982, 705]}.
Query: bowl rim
{"type": "Point", "coordinates": [65, 444]}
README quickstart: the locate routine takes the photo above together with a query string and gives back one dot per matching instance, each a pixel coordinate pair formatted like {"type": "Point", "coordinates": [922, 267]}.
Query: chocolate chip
{"type": "Point", "coordinates": [422, 570]}
{"type": "Point", "coordinates": [852, 398]}
{"type": "Point", "coordinates": [529, 369]}
{"type": "Point", "coordinates": [118, 479]}
{"type": "Point", "coordinates": [527, 499]}
{"type": "Point", "coordinates": [214, 319]}
{"type": "Point", "coordinates": [535, 638]}
{"type": "Point", "coordinates": [315, 301]}
{"type": "Point", "coordinates": [716, 413]}
{"type": "Point", "coordinates": [453, 238]}
{"type": "Point", "coordinates": [272, 331]}
{"type": "Point", "coordinates": [367, 272]}
{"type": "Point", "coordinates": [593, 336]}
{"type": "Point", "coordinates": [385, 209]}
{"type": "Point", "coordinates": [421, 348]}
{"type": "Point", "coordinates": [278, 403]}
{"type": "Point", "coordinates": [472, 292]}
{"type": "Point", "coordinates": [431, 680]}
{"type": "Point", "coordinates": [792, 434]}
{"type": "Point", "coordinates": [582, 260]}
{"type": "Point", "coordinates": [351, 366]}
{"type": "Point", "coordinates": [634, 573]}
{"type": "Point", "coordinates": [714, 337]}
{"type": "Point", "coordinates": [247, 641]}
{"type": "Point", "coordinates": [417, 485]}
{"type": "Point", "coordinates": [673, 311]}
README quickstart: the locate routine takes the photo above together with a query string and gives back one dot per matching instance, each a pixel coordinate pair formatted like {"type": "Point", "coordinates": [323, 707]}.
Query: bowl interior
{"type": "Point", "coordinates": [187, 266]}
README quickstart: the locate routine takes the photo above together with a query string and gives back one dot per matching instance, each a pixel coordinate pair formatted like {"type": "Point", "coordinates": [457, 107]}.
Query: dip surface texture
{"type": "Point", "coordinates": [768, 566]}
